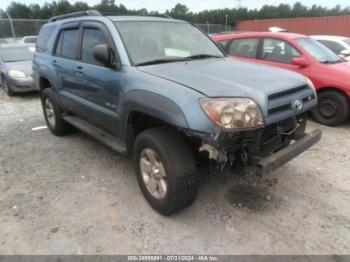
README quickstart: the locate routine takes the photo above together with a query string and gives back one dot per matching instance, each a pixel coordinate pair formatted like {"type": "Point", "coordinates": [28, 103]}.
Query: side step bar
{"type": "Point", "coordinates": [97, 133]}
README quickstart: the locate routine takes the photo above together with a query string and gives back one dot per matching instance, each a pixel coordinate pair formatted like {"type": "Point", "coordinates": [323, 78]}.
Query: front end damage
{"type": "Point", "coordinates": [262, 150]}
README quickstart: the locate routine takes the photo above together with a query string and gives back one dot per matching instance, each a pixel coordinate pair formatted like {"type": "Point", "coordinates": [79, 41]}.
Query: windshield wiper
{"type": "Point", "coordinates": [202, 56]}
{"type": "Point", "coordinates": [159, 61]}
{"type": "Point", "coordinates": [331, 62]}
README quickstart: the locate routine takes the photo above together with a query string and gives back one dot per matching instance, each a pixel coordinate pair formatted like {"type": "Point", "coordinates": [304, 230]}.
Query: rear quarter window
{"type": "Point", "coordinates": [44, 37]}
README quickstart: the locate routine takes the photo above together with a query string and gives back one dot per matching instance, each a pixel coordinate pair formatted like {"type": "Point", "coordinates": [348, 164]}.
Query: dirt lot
{"type": "Point", "coordinates": [72, 195]}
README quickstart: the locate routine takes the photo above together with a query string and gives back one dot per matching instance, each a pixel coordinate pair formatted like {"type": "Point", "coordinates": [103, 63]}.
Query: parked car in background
{"type": "Point", "coordinates": [329, 73]}
{"type": "Point", "coordinates": [29, 39]}
{"type": "Point", "coordinates": [338, 44]}
{"type": "Point", "coordinates": [161, 91]}
{"type": "Point", "coordinates": [16, 68]}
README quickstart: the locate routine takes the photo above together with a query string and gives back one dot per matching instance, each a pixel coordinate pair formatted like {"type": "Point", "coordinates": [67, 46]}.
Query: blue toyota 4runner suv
{"type": "Point", "coordinates": [161, 91]}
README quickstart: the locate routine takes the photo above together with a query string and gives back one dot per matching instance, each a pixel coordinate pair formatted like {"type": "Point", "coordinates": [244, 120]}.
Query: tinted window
{"type": "Point", "coordinates": [334, 46]}
{"type": "Point", "coordinates": [276, 50]}
{"type": "Point", "coordinates": [68, 43]}
{"type": "Point", "coordinates": [91, 38]}
{"type": "Point", "coordinates": [224, 43]}
{"type": "Point", "coordinates": [246, 47]}
{"type": "Point", "coordinates": [44, 36]}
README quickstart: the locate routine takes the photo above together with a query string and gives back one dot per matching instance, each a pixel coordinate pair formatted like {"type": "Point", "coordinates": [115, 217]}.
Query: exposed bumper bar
{"type": "Point", "coordinates": [271, 163]}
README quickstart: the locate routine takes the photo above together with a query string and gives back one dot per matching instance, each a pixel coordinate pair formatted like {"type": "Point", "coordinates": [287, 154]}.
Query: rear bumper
{"type": "Point", "coordinates": [271, 163]}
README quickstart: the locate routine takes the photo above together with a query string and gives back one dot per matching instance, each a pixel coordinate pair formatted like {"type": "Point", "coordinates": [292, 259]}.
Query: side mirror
{"type": "Point", "coordinates": [104, 55]}
{"type": "Point", "coordinates": [345, 52]}
{"type": "Point", "coordinates": [300, 61]}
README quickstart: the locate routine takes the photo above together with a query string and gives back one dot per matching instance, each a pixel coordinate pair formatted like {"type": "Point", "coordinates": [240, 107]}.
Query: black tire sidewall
{"type": "Point", "coordinates": [340, 117]}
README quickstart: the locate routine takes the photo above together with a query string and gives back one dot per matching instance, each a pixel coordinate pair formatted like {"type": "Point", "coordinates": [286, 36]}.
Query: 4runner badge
{"type": "Point", "coordinates": [298, 105]}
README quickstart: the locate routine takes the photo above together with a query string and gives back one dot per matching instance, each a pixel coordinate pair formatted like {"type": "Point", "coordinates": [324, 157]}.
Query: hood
{"type": "Point", "coordinates": [24, 66]}
{"type": "Point", "coordinates": [341, 68]}
{"type": "Point", "coordinates": [226, 77]}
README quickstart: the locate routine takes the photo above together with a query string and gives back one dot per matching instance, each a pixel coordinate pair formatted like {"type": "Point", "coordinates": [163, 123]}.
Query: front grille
{"type": "Point", "coordinates": [282, 102]}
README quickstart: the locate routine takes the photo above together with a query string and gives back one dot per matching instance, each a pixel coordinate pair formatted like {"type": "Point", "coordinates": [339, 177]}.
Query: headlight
{"type": "Point", "coordinates": [309, 82]}
{"type": "Point", "coordinates": [16, 74]}
{"type": "Point", "coordinates": [233, 113]}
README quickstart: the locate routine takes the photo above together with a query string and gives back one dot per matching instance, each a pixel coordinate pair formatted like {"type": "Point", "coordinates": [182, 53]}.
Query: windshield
{"type": "Point", "coordinates": [318, 51]}
{"type": "Point", "coordinates": [347, 41]}
{"type": "Point", "coordinates": [14, 54]}
{"type": "Point", "coordinates": [148, 41]}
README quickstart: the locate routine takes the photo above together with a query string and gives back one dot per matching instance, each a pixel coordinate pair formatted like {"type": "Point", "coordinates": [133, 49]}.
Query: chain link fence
{"type": "Point", "coordinates": [215, 28]}
{"type": "Point", "coordinates": [15, 29]}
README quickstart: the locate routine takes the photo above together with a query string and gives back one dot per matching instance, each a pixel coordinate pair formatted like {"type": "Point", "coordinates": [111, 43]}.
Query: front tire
{"type": "Point", "coordinates": [53, 113]}
{"type": "Point", "coordinates": [7, 89]}
{"type": "Point", "coordinates": [332, 108]}
{"type": "Point", "coordinates": [165, 169]}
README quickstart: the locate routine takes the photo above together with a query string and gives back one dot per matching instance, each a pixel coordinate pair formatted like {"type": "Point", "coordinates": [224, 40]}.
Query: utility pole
{"type": "Point", "coordinates": [226, 22]}
{"type": "Point", "coordinates": [11, 25]}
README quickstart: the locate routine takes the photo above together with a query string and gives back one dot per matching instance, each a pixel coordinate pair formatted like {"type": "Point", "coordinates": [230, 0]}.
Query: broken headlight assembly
{"type": "Point", "coordinates": [233, 113]}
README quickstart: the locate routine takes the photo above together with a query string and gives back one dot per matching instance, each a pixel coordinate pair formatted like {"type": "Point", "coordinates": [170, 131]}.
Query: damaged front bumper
{"type": "Point", "coordinates": [261, 151]}
{"type": "Point", "coordinates": [268, 164]}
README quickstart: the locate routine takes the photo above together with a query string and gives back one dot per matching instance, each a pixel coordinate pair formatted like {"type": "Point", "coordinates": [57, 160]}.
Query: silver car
{"type": "Point", "coordinates": [16, 68]}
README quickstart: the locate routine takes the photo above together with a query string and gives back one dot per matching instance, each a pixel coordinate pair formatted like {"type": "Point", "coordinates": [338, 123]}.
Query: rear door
{"type": "Point", "coordinates": [65, 63]}
{"type": "Point", "coordinates": [243, 48]}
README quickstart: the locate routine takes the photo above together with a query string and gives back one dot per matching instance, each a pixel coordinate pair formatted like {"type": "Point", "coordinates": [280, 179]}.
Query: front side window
{"type": "Point", "coordinates": [321, 53]}
{"type": "Point", "coordinates": [245, 47]}
{"type": "Point", "coordinates": [334, 46]}
{"type": "Point", "coordinates": [91, 38]}
{"type": "Point", "coordinates": [67, 43]}
{"type": "Point", "coordinates": [276, 50]}
{"type": "Point", "coordinates": [15, 54]}
{"type": "Point", "coordinates": [147, 41]}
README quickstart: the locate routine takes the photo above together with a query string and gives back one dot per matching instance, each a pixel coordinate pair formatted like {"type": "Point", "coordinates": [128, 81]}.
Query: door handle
{"type": "Point", "coordinates": [79, 70]}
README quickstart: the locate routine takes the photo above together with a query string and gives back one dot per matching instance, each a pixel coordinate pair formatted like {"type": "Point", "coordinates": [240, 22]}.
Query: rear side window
{"type": "Point", "coordinates": [91, 38]}
{"type": "Point", "coordinates": [44, 36]}
{"type": "Point", "coordinates": [276, 50]}
{"type": "Point", "coordinates": [67, 43]}
{"type": "Point", "coordinates": [246, 47]}
{"type": "Point", "coordinates": [334, 46]}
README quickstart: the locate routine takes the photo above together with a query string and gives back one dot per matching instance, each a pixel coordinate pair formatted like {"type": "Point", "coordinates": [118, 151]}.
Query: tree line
{"type": "Point", "coordinates": [180, 11]}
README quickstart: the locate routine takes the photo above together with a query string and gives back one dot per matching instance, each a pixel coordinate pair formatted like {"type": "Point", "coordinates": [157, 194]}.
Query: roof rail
{"type": "Point", "coordinates": [76, 14]}
{"type": "Point", "coordinates": [123, 14]}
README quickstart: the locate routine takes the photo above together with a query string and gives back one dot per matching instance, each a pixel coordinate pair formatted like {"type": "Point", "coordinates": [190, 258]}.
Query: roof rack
{"type": "Point", "coordinates": [76, 14]}
{"type": "Point", "coordinates": [147, 15]}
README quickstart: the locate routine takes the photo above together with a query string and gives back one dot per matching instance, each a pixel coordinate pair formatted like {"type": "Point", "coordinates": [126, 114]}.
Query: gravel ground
{"type": "Point", "coordinates": [72, 195]}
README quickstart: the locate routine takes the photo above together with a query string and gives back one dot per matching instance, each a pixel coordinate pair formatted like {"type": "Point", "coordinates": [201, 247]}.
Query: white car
{"type": "Point", "coordinates": [338, 44]}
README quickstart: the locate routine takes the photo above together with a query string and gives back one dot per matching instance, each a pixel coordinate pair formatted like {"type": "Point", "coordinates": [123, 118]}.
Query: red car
{"type": "Point", "coordinates": [329, 73]}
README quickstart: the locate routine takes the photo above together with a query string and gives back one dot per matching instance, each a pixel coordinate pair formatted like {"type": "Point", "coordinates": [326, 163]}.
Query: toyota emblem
{"type": "Point", "coordinates": [298, 105]}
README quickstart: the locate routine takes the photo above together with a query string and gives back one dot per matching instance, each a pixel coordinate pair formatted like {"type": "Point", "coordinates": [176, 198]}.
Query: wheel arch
{"type": "Point", "coordinates": [143, 110]}
{"type": "Point", "coordinates": [334, 89]}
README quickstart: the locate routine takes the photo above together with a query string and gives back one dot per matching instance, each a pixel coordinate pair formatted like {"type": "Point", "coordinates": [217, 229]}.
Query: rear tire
{"type": "Point", "coordinates": [172, 157]}
{"type": "Point", "coordinates": [53, 114]}
{"type": "Point", "coordinates": [332, 108]}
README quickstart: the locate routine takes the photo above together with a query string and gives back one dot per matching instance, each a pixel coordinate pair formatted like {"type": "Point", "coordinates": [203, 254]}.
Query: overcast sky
{"type": "Point", "coordinates": [194, 5]}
